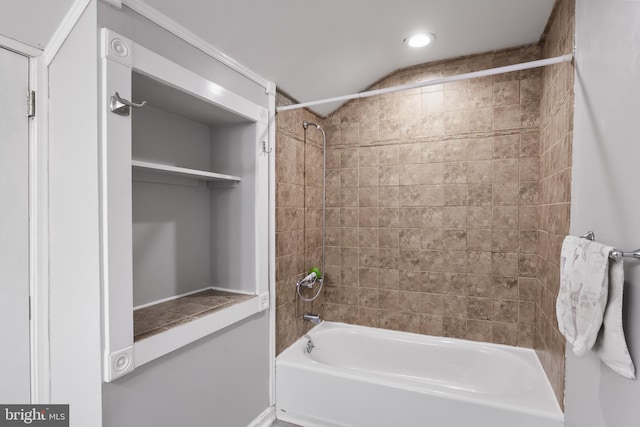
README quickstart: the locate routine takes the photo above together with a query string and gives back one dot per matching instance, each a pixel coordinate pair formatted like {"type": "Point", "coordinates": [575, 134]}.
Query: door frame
{"type": "Point", "coordinates": [38, 222]}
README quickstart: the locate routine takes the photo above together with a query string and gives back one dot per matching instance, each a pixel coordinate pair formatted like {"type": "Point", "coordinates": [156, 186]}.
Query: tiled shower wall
{"type": "Point", "coordinates": [556, 129]}
{"type": "Point", "coordinates": [432, 203]}
{"type": "Point", "coordinates": [447, 205]}
{"type": "Point", "coordinates": [298, 219]}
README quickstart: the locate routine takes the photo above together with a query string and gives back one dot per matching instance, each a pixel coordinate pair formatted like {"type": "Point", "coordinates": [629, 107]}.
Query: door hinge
{"type": "Point", "coordinates": [31, 103]}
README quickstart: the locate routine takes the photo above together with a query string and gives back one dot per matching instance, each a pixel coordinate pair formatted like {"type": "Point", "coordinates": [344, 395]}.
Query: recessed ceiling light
{"type": "Point", "coordinates": [420, 40]}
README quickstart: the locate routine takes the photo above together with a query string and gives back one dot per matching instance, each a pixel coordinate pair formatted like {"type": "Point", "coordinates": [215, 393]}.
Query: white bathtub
{"type": "Point", "coordinates": [358, 376]}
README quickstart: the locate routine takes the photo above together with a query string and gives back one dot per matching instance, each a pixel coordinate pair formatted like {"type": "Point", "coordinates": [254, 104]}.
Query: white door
{"type": "Point", "coordinates": [14, 229]}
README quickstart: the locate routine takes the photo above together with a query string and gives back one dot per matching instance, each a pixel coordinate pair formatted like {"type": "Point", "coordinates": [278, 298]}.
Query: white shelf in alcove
{"type": "Point", "coordinates": [185, 172]}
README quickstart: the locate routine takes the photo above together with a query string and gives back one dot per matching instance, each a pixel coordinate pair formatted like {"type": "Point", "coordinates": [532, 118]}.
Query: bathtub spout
{"type": "Point", "coordinates": [310, 317]}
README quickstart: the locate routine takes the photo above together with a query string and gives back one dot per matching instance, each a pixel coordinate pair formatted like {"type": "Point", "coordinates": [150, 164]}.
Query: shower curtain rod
{"type": "Point", "coordinates": [465, 76]}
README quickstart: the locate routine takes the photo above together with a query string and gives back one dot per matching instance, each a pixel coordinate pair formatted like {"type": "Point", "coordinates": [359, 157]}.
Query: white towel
{"type": "Point", "coordinates": [611, 345]}
{"type": "Point", "coordinates": [582, 298]}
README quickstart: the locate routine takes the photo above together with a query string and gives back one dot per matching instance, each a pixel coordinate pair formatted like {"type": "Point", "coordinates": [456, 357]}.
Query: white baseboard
{"type": "Point", "coordinates": [265, 419]}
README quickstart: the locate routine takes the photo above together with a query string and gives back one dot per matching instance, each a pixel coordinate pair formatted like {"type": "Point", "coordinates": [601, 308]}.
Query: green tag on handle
{"type": "Point", "coordinates": [315, 270]}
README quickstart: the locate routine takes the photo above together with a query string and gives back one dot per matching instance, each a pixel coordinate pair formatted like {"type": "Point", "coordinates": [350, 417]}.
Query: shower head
{"type": "Point", "coordinates": [305, 125]}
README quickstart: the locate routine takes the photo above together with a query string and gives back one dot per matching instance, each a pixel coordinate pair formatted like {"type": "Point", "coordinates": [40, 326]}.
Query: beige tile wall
{"type": "Point", "coordinates": [432, 204]}
{"type": "Point", "coordinates": [298, 218]}
{"type": "Point", "coordinates": [556, 129]}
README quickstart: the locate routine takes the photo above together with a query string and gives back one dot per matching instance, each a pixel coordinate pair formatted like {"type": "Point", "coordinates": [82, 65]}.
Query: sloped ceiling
{"type": "Point", "coordinates": [32, 21]}
{"type": "Point", "coordinates": [320, 49]}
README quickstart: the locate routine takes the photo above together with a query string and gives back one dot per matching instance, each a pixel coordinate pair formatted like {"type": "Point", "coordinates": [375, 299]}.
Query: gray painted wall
{"type": "Point", "coordinates": [74, 265]}
{"type": "Point", "coordinates": [171, 223]}
{"type": "Point", "coordinates": [606, 155]}
{"type": "Point", "coordinates": [223, 379]}
{"type": "Point", "coordinates": [219, 381]}
{"type": "Point", "coordinates": [233, 212]}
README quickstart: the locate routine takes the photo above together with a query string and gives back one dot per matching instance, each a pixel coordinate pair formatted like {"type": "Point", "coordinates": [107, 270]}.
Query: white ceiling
{"type": "Point", "coordinates": [314, 50]}
{"type": "Point", "coordinates": [319, 49]}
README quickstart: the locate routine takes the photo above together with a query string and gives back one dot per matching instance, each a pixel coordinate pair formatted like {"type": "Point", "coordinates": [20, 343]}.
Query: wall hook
{"type": "Point", "coordinates": [264, 148]}
{"type": "Point", "coordinates": [122, 106]}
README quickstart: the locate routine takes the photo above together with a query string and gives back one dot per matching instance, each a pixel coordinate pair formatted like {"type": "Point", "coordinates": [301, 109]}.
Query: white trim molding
{"type": "Point", "coordinates": [271, 89]}
{"type": "Point", "coordinates": [178, 30]}
{"type": "Point", "coordinates": [265, 419]}
{"type": "Point", "coordinates": [68, 23]}
{"type": "Point", "coordinates": [19, 47]}
{"type": "Point", "coordinates": [118, 363]}
{"type": "Point", "coordinates": [39, 212]}
{"type": "Point", "coordinates": [272, 247]}
{"type": "Point", "coordinates": [114, 3]}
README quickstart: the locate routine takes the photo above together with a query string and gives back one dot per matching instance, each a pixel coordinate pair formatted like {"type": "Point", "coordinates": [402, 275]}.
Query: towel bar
{"type": "Point", "coordinates": [615, 253]}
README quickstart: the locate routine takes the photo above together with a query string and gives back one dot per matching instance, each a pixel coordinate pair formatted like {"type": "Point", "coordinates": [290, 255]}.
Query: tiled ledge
{"type": "Point", "coordinates": [167, 326]}
{"type": "Point", "coordinates": [158, 318]}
